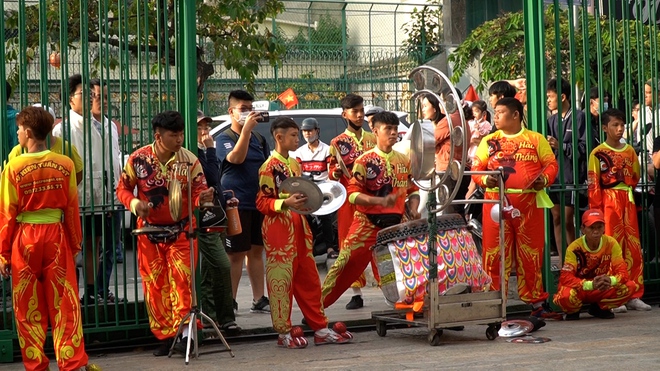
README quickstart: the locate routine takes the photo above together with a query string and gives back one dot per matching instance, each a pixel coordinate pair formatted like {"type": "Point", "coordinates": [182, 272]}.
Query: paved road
{"type": "Point", "coordinates": [629, 341]}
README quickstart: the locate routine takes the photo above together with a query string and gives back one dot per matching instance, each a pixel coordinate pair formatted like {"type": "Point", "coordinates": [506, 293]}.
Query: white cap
{"type": "Point", "coordinates": [50, 110]}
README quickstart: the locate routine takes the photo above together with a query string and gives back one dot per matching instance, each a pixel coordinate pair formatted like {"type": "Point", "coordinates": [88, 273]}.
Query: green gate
{"type": "Point", "coordinates": [184, 54]}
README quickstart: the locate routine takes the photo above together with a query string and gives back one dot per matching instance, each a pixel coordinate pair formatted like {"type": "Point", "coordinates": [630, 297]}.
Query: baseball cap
{"type": "Point", "coordinates": [309, 123]}
{"type": "Point", "coordinates": [592, 216]}
{"type": "Point", "coordinates": [50, 110]}
{"type": "Point", "coordinates": [202, 117]}
{"type": "Point", "coordinates": [372, 110]}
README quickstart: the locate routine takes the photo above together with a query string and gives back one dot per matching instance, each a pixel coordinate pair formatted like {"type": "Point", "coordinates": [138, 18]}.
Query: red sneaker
{"type": "Point", "coordinates": [338, 335]}
{"type": "Point", "coordinates": [295, 339]}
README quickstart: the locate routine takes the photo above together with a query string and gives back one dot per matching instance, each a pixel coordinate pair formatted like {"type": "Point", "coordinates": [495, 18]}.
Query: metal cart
{"type": "Point", "coordinates": [446, 311]}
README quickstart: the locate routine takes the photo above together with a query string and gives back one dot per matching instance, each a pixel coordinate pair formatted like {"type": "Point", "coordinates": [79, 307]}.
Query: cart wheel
{"type": "Point", "coordinates": [434, 337]}
{"type": "Point", "coordinates": [491, 332]}
{"type": "Point", "coordinates": [381, 328]}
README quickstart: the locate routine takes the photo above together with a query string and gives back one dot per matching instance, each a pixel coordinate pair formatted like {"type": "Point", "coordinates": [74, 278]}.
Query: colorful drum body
{"type": "Point", "coordinates": [402, 253]}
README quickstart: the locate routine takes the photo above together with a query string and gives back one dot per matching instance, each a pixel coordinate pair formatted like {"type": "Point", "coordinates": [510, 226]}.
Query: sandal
{"type": "Point", "coordinates": [333, 254]}
{"type": "Point", "coordinates": [230, 326]}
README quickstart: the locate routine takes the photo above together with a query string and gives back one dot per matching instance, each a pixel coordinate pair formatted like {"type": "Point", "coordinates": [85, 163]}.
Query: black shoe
{"type": "Point", "coordinates": [304, 321]}
{"type": "Point", "coordinates": [180, 347]}
{"type": "Point", "coordinates": [355, 303]}
{"type": "Point", "coordinates": [572, 316]}
{"type": "Point", "coordinates": [235, 307]}
{"type": "Point", "coordinates": [261, 306]}
{"type": "Point", "coordinates": [164, 348]}
{"type": "Point", "coordinates": [597, 312]}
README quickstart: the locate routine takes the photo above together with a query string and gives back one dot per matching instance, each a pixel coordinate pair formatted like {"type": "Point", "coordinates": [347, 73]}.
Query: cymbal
{"type": "Point", "coordinates": [334, 196]}
{"type": "Point", "coordinates": [151, 230]}
{"type": "Point", "coordinates": [175, 198]}
{"type": "Point", "coordinates": [341, 164]}
{"type": "Point", "coordinates": [306, 187]}
{"type": "Point", "coordinates": [515, 327]}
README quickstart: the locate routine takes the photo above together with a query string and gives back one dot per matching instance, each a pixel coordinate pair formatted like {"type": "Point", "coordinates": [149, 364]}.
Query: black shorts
{"type": "Point", "coordinates": [89, 221]}
{"type": "Point", "coordinates": [568, 196]}
{"type": "Point", "coordinates": [251, 224]}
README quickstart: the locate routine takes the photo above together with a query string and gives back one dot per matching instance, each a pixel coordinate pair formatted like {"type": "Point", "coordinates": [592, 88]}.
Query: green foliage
{"type": "Point", "coordinates": [424, 30]}
{"type": "Point", "coordinates": [229, 27]}
{"type": "Point", "coordinates": [499, 44]}
{"type": "Point", "coordinates": [324, 42]}
{"type": "Point", "coordinates": [312, 92]}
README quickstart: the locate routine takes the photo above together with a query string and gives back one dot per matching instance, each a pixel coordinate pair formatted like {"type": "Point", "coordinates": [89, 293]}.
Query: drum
{"type": "Point", "coordinates": [402, 255]}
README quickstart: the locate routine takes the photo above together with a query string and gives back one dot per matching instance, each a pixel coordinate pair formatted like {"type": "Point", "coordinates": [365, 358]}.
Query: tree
{"type": "Point", "coordinates": [228, 33]}
{"type": "Point", "coordinates": [424, 30]}
{"type": "Point", "coordinates": [499, 44]}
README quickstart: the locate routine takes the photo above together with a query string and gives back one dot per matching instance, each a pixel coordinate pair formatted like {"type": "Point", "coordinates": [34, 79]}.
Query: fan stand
{"type": "Point", "coordinates": [195, 312]}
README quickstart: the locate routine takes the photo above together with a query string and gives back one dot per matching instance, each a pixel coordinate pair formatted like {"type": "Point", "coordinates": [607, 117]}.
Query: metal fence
{"type": "Point", "coordinates": [608, 52]}
{"type": "Point", "coordinates": [332, 48]}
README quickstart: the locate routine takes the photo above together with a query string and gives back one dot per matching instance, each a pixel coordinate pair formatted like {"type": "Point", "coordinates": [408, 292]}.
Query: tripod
{"type": "Point", "coordinates": [195, 313]}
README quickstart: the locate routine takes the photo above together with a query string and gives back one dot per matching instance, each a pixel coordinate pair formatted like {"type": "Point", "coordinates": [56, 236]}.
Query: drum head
{"type": "Point", "coordinates": [402, 231]}
{"type": "Point", "coordinates": [306, 187]}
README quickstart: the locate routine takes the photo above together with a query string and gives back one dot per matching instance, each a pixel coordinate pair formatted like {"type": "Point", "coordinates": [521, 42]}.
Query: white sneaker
{"type": "Point", "coordinates": [637, 304]}
{"type": "Point", "coordinates": [621, 309]}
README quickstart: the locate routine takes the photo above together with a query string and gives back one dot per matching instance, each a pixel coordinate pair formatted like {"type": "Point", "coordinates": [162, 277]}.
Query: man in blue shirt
{"type": "Point", "coordinates": [241, 152]}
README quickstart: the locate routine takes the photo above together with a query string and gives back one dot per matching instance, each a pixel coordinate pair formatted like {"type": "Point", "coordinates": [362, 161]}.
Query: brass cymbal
{"type": "Point", "coordinates": [306, 187]}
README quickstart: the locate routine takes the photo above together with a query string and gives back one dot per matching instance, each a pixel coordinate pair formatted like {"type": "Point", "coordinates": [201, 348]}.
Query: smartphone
{"type": "Point", "coordinates": [263, 116]}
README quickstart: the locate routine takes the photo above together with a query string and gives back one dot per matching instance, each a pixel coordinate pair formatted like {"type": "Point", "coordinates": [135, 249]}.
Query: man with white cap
{"type": "Point", "coordinates": [314, 157]}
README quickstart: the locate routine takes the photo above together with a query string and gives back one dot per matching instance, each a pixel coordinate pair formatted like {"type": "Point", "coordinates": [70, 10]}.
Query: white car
{"type": "Point", "coordinates": [330, 122]}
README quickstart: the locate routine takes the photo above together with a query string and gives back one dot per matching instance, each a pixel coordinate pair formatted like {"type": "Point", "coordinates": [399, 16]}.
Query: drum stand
{"type": "Point", "coordinates": [195, 313]}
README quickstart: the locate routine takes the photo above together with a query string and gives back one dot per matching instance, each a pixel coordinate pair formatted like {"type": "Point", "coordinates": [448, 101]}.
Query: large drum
{"type": "Point", "coordinates": [402, 255]}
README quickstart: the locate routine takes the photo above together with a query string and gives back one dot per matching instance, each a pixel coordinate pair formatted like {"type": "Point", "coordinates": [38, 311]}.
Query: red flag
{"type": "Point", "coordinates": [288, 98]}
{"type": "Point", "coordinates": [471, 94]}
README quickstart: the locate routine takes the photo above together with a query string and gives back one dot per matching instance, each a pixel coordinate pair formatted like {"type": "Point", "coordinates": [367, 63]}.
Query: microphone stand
{"type": "Point", "coordinates": [195, 313]}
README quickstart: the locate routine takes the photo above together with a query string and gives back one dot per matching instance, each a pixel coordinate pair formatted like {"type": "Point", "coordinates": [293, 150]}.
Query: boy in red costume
{"type": "Point", "coordinates": [40, 237]}
{"type": "Point", "coordinates": [164, 260]}
{"type": "Point", "coordinates": [350, 145]}
{"type": "Point", "coordinates": [613, 173]}
{"type": "Point", "coordinates": [594, 272]}
{"type": "Point", "coordinates": [529, 166]}
{"type": "Point", "coordinates": [381, 180]}
{"type": "Point", "coordinates": [290, 266]}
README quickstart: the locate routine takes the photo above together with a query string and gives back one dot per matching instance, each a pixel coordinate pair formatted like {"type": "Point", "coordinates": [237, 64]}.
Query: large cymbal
{"type": "Point", "coordinates": [306, 187]}
{"type": "Point", "coordinates": [176, 198]}
{"type": "Point", "coordinates": [340, 163]}
{"type": "Point", "coordinates": [422, 153]}
{"type": "Point", "coordinates": [334, 195]}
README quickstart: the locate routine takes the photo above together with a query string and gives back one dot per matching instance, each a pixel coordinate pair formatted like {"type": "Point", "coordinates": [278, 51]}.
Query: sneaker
{"type": "Point", "coordinates": [235, 307]}
{"type": "Point", "coordinates": [545, 312]}
{"type": "Point", "coordinates": [289, 341]}
{"type": "Point", "coordinates": [355, 303]}
{"type": "Point", "coordinates": [260, 306]}
{"type": "Point", "coordinates": [621, 309]}
{"type": "Point", "coordinates": [164, 348]}
{"type": "Point", "coordinates": [637, 304]}
{"type": "Point", "coordinates": [328, 336]}
{"type": "Point", "coordinates": [598, 312]}
{"type": "Point", "coordinates": [572, 316]}
{"type": "Point", "coordinates": [110, 298]}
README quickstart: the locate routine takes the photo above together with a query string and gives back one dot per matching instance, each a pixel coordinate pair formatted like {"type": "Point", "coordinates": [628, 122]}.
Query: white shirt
{"type": "Point", "coordinates": [90, 147]}
{"type": "Point", "coordinates": [314, 163]}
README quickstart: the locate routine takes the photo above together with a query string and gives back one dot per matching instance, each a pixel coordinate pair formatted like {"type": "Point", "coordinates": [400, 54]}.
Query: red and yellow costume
{"type": "Point", "coordinates": [379, 174]}
{"type": "Point", "coordinates": [164, 265]}
{"type": "Point", "coordinates": [582, 265]}
{"type": "Point", "coordinates": [350, 147]}
{"type": "Point", "coordinates": [524, 156]}
{"type": "Point", "coordinates": [40, 236]}
{"type": "Point", "coordinates": [290, 266]}
{"type": "Point", "coordinates": [612, 176]}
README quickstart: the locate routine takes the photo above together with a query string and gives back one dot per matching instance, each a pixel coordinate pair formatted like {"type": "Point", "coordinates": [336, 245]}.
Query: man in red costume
{"type": "Point", "coordinates": [594, 272]}
{"type": "Point", "coordinates": [612, 175]}
{"type": "Point", "coordinates": [350, 145]}
{"type": "Point", "coordinates": [164, 260]}
{"type": "Point", "coordinates": [529, 167]}
{"type": "Point", "coordinates": [40, 237]}
{"type": "Point", "coordinates": [290, 266]}
{"type": "Point", "coordinates": [381, 181]}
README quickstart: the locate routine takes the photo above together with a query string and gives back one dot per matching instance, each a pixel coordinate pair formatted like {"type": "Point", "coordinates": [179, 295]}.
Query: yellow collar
{"type": "Point", "coordinates": [358, 140]}
{"type": "Point", "coordinates": [163, 167]}
{"type": "Point", "coordinates": [279, 156]}
{"type": "Point", "coordinates": [387, 157]}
